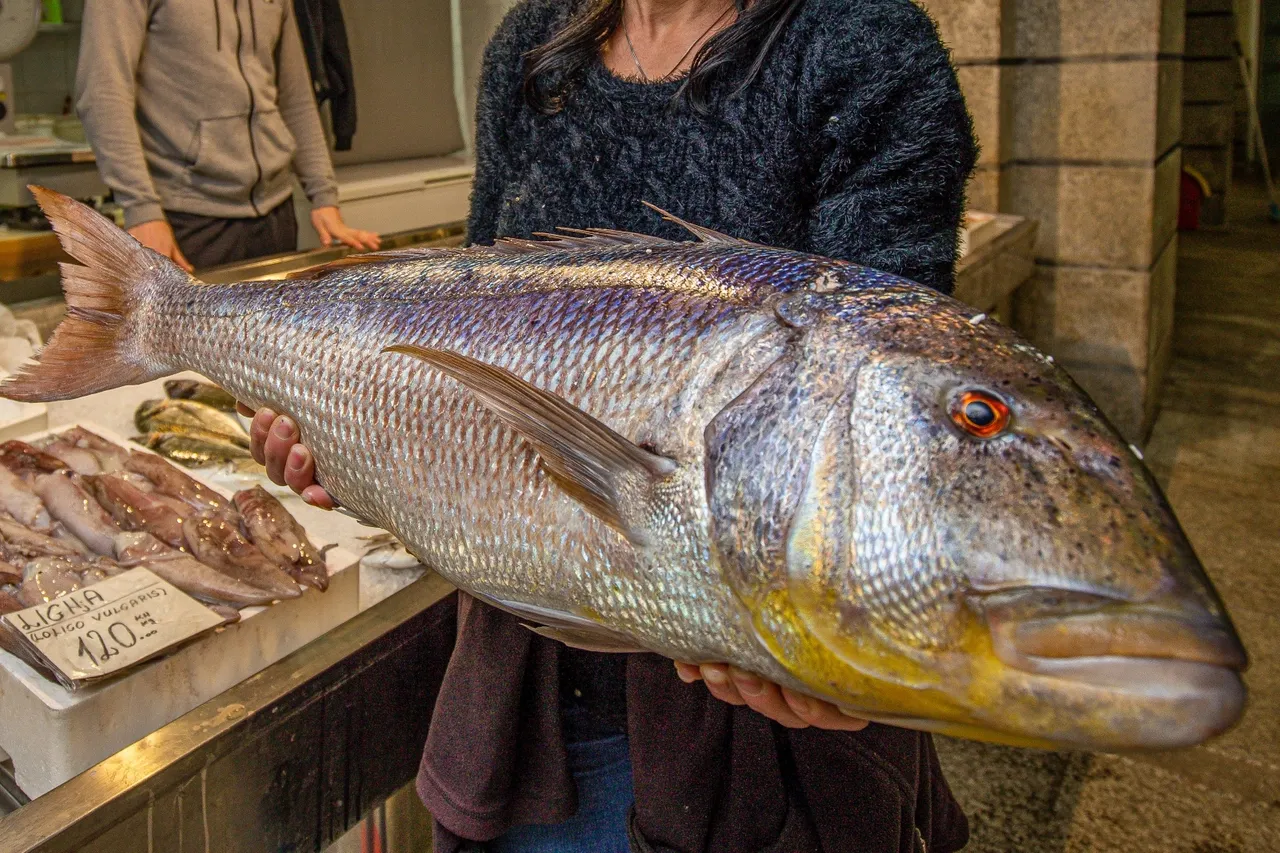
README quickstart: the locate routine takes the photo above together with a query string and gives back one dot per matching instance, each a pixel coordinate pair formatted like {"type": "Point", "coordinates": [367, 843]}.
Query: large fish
{"type": "Point", "coordinates": [716, 451]}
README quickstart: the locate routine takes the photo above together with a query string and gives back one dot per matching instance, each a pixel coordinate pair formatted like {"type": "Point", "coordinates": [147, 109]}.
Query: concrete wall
{"type": "Point", "coordinates": [1078, 106]}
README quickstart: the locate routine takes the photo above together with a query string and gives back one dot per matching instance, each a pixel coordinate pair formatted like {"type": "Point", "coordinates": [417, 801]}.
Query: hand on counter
{"type": "Point", "coordinates": [329, 225]}
{"type": "Point", "coordinates": [732, 685]}
{"type": "Point", "coordinates": [277, 444]}
{"type": "Point", "coordinates": [157, 235]}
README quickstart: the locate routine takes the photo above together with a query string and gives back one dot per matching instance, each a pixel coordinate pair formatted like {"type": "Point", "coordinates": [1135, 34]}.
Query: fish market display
{"type": "Point", "coordinates": [717, 451]}
{"type": "Point", "coordinates": [63, 528]}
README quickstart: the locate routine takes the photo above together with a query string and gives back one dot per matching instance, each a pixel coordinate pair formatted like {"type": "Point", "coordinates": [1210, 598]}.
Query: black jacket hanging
{"type": "Point", "coordinates": [324, 38]}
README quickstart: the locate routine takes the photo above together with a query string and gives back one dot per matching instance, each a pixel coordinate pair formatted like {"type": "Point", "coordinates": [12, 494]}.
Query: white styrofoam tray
{"type": "Point", "coordinates": [52, 734]}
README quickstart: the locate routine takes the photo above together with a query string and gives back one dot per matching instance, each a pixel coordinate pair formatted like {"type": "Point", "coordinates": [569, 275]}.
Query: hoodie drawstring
{"type": "Point", "coordinates": [253, 27]}
{"type": "Point", "coordinates": [217, 22]}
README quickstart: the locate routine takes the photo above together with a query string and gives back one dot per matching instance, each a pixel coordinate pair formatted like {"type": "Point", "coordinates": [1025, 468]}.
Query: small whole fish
{"type": "Point", "coordinates": [217, 543]}
{"type": "Point", "coordinates": [717, 451]}
{"type": "Point", "coordinates": [134, 509]}
{"type": "Point", "coordinates": [69, 502]}
{"type": "Point", "coordinates": [200, 392]}
{"type": "Point", "coordinates": [192, 418]}
{"type": "Point", "coordinates": [193, 577]}
{"type": "Point", "coordinates": [279, 536]}
{"type": "Point", "coordinates": [195, 448]}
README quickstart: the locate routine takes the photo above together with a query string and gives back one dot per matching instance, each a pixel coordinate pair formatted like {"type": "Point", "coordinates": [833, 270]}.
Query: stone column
{"type": "Point", "coordinates": [1078, 106]}
{"type": "Point", "coordinates": [1209, 100]}
{"type": "Point", "coordinates": [1096, 158]}
{"type": "Point", "coordinates": [980, 35]}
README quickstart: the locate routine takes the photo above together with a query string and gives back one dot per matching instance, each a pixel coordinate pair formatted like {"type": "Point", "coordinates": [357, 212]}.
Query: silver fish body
{"type": "Point", "coordinates": [829, 476]}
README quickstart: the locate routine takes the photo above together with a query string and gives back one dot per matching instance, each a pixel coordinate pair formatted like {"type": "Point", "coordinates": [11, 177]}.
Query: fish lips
{"type": "Point", "coordinates": [1176, 652]}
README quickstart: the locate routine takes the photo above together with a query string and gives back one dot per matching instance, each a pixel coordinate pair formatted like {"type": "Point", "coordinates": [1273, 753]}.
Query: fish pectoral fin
{"type": "Point", "coordinates": [585, 458]}
{"type": "Point", "coordinates": [587, 639]}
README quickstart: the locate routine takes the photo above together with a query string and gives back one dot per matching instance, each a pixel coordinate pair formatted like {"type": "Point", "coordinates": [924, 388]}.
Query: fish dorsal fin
{"type": "Point", "coordinates": [587, 459]}
{"type": "Point", "coordinates": [542, 242]}
{"type": "Point", "coordinates": [704, 235]}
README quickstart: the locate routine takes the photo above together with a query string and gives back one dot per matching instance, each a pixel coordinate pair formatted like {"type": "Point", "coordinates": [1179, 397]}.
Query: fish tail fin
{"type": "Point", "coordinates": [93, 348]}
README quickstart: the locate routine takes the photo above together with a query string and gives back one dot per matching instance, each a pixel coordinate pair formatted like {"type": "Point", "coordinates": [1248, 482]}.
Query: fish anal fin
{"type": "Point", "coordinates": [704, 235]}
{"type": "Point", "coordinates": [568, 628]}
{"type": "Point", "coordinates": [588, 460]}
{"type": "Point", "coordinates": [586, 639]}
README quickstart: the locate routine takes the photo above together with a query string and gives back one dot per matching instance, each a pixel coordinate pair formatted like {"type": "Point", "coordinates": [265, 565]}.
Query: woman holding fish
{"type": "Point", "coordinates": [830, 126]}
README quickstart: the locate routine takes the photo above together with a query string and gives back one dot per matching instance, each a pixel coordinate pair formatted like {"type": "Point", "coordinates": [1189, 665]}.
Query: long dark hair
{"type": "Point", "coordinates": [552, 67]}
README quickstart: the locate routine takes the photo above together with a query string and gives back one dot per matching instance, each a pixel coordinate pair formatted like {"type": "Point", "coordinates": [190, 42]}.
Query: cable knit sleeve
{"type": "Point", "coordinates": [498, 104]}
{"type": "Point", "coordinates": [894, 145]}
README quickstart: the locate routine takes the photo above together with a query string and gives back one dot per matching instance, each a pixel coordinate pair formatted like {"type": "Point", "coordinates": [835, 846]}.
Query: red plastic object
{"type": "Point", "coordinates": [1189, 205]}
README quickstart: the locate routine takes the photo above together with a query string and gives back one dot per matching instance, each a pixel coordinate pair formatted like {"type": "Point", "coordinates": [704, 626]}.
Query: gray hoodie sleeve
{"type": "Point", "coordinates": [112, 35]}
{"type": "Point", "coordinates": [298, 109]}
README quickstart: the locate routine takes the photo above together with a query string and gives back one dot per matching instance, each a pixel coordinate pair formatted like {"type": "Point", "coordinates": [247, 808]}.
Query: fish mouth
{"type": "Point", "coordinates": [1142, 675]}
{"type": "Point", "coordinates": [1112, 643]}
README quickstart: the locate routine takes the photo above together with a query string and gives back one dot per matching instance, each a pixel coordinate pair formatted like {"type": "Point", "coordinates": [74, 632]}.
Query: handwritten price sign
{"type": "Point", "coordinates": [104, 628]}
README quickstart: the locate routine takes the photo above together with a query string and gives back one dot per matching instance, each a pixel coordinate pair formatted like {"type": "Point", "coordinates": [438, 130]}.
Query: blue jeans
{"type": "Point", "coordinates": [602, 771]}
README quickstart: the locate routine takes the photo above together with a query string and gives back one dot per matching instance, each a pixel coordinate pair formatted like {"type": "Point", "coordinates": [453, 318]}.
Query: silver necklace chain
{"type": "Point", "coordinates": [636, 59]}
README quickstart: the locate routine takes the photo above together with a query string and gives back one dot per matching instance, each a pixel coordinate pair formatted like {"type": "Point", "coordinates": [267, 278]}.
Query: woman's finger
{"type": "Point", "coordinates": [822, 715]}
{"type": "Point", "coordinates": [688, 672]}
{"type": "Point", "coordinates": [259, 429]}
{"type": "Point", "coordinates": [299, 468]}
{"type": "Point", "coordinates": [283, 436]}
{"type": "Point", "coordinates": [716, 675]}
{"type": "Point", "coordinates": [318, 497]}
{"type": "Point", "coordinates": [764, 697]}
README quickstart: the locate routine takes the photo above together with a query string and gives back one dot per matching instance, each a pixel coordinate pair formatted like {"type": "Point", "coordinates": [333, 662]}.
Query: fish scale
{"type": "Point", "coordinates": [839, 480]}
{"type": "Point", "coordinates": [604, 349]}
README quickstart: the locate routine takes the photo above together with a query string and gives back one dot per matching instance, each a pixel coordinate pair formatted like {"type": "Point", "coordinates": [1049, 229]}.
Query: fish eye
{"type": "Point", "coordinates": [980, 414]}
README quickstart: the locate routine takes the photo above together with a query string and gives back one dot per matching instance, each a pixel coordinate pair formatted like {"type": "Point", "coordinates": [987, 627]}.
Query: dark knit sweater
{"type": "Point", "coordinates": [854, 143]}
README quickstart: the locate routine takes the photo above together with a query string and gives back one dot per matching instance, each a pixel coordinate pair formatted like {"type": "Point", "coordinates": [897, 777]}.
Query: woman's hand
{"type": "Point", "coordinates": [732, 685]}
{"type": "Point", "coordinates": [329, 225]}
{"type": "Point", "coordinates": [277, 444]}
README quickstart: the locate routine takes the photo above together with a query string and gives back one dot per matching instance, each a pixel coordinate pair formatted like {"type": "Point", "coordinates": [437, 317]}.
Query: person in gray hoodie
{"type": "Point", "coordinates": [200, 112]}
